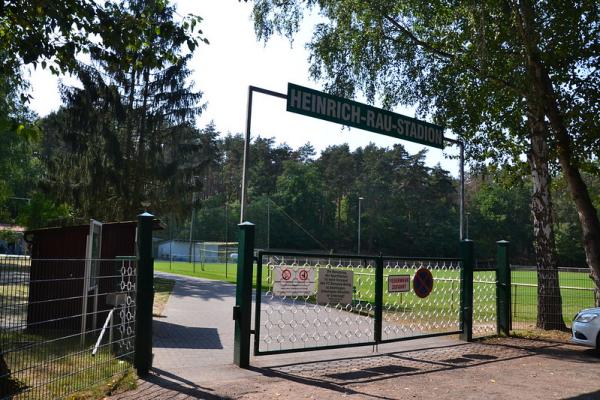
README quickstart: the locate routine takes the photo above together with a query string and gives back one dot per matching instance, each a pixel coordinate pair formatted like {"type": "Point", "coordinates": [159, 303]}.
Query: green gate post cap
{"type": "Point", "coordinates": [246, 223]}
{"type": "Point", "coordinates": [502, 242]}
{"type": "Point", "coordinates": [145, 214]}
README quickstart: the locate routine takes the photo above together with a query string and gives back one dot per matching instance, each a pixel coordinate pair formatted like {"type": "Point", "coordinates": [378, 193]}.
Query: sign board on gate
{"type": "Point", "coordinates": [347, 112]}
{"type": "Point", "coordinates": [398, 283]}
{"type": "Point", "coordinates": [335, 286]}
{"type": "Point", "coordinates": [293, 281]}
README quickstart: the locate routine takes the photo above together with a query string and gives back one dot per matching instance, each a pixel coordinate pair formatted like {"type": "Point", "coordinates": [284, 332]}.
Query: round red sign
{"type": "Point", "coordinates": [303, 275]}
{"type": "Point", "coordinates": [286, 274]}
{"type": "Point", "coordinates": [423, 282]}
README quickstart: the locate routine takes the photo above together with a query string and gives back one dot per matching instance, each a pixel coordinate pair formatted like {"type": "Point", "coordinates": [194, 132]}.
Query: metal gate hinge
{"type": "Point", "coordinates": [236, 313]}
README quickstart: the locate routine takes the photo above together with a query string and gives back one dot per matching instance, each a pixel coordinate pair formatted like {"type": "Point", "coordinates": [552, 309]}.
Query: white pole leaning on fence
{"type": "Point", "coordinates": [108, 319]}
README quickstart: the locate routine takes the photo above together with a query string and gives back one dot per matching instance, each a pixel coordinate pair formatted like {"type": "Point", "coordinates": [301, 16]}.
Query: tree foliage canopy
{"type": "Point", "coordinates": [127, 137]}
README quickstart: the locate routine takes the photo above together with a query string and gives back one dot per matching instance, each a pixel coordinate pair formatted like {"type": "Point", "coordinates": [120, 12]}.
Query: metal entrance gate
{"type": "Point", "coordinates": [377, 313]}
{"type": "Point", "coordinates": [384, 299]}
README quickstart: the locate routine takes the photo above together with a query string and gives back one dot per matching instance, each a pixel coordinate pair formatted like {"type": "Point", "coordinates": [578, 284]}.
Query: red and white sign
{"type": "Point", "coordinates": [293, 281]}
{"type": "Point", "coordinates": [286, 274]}
{"type": "Point", "coordinates": [398, 283]}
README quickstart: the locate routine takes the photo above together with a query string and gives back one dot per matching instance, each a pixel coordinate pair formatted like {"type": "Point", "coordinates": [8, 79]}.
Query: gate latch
{"type": "Point", "coordinates": [236, 313]}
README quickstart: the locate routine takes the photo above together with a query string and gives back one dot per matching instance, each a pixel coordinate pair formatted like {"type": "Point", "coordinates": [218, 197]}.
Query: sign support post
{"type": "Point", "coordinates": [251, 90]}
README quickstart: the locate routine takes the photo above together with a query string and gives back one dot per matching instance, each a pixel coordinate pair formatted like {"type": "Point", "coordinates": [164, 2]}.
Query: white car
{"type": "Point", "coordinates": [586, 328]}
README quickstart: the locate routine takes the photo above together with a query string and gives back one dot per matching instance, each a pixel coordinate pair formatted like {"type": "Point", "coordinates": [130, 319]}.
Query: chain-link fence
{"type": "Point", "coordinates": [577, 291]}
{"type": "Point", "coordinates": [406, 315]}
{"type": "Point", "coordinates": [64, 324]}
{"type": "Point", "coordinates": [290, 318]}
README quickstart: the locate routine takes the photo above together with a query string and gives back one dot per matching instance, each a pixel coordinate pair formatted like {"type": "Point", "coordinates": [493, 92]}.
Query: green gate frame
{"type": "Point", "coordinates": [242, 311]}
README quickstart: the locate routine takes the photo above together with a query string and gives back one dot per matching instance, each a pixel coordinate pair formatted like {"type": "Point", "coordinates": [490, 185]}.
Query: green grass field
{"type": "Point", "coordinates": [576, 289]}
{"type": "Point", "coordinates": [219, 272]}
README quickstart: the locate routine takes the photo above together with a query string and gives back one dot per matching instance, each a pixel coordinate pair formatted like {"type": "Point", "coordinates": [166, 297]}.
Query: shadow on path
{"type": "Point", "coordinates": [161, 384]}
{"type": "Point", "coordinates": [339, 374]}
{"type": "Point", "coordinates": [174, 336]}
{"type": "Point", "coordinates": [587, 396]}
{"type": "Point", "coordinates": [204, 289]}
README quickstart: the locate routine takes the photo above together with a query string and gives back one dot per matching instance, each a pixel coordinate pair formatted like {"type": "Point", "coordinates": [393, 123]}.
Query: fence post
{"type": "Point", "coordinates": [378, 297]}
{"type": "Point", "coordinates": [144, 297]}
{"type": "Point", "coordinates": [466, 294]}
{"type": "Point", "coordinates": [242, 311]}
{"type": "Point", "coordinates": [503, 289]}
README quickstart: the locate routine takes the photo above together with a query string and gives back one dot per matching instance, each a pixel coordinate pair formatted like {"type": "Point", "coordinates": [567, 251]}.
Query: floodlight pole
{"type": "Point", "coordinates": [462, 189]}
{"type": "Point", "coordinates": [251, 89]}
{"type": "Point", "coordinates": [268, 222]}
{"type": "Point", "coordinates": [192, 247]}
{"type": "Point", "coordinates": [360, 199]}
{"type": "Point", "coordinates": [467, 224]}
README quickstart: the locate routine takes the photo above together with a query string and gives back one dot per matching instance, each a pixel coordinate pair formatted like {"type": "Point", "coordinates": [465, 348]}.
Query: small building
{"type": "Point", "coordinates": [181, 250]}
{"type": "Point", "coordinates": [66, 262]}
{"type": "Point", "coordinates": [11, 240]}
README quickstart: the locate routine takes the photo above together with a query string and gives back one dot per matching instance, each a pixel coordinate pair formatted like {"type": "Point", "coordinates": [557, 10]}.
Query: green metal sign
{"type": "Point", "coordinates": [336, 109]}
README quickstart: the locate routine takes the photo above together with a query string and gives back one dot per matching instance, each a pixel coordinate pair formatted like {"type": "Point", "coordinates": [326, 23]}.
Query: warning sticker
{"type": "Point", "coordinates": [335, 286]}
{"type": "Point", "coordinates": [398, 283]}
{"type": "Point", "coordinates": [293, 281]}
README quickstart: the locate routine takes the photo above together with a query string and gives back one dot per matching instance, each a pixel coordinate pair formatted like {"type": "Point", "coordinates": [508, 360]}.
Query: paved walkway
{"type": "Point", "coordinates": [196, 338]}
{"type": "Point", "coordinates": [193, 353]}
{"type": "Point", "coordinates": [193, 346]}
{"type": "Point", "coordinates": [193, 343]}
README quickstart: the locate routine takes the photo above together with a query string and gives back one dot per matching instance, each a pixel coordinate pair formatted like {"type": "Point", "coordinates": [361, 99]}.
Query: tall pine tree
{"type": "Point", "coordinates": [126, 140]}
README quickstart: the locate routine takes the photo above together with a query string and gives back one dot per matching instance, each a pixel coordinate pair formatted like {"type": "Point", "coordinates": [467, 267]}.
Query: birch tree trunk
{"type": "Point", "coordinates": [543, 87]}
{"type": "Point", "coordinates": [549, 305]}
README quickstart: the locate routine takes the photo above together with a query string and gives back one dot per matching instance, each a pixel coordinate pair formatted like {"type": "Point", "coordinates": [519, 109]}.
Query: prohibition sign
{"type": "Point", "coordinates": [286, 274]}
{"type": "Point", "coordinates": [303, 274]}
{"type": "Point", "coordinates": [423, 282]}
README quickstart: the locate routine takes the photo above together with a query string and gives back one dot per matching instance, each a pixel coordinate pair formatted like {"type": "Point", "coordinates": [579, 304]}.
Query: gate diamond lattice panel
{"type": "Point", "coordinates": [126, 308]}
{"type": "Point", "coordinates": [407, 315]}
{"type": "Point", "coordinates": [289, 322]}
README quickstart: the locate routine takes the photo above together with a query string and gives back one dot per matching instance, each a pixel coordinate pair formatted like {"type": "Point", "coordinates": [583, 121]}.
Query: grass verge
{"type": "Point", "coordinates": [122, 382]}
{"type": "Point", "coordinates": [60, 366]}
{"type": "Point", "coordinates": [162, 291]}
{"type": "Point", "coordinates": [534, 333]}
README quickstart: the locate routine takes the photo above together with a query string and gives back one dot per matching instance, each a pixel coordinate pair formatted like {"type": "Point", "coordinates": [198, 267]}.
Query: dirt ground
{"type": "Point", "coordinates": [503, 368]}
{"type": "Point", "coordinates": [492, 369]}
